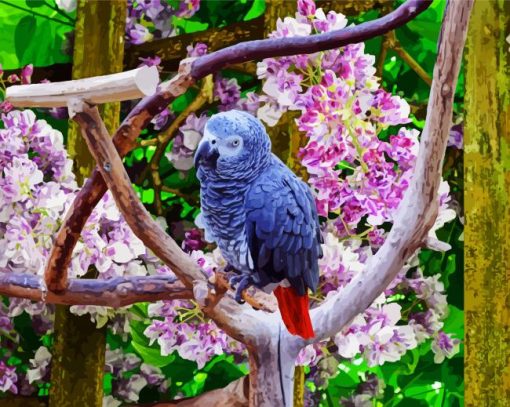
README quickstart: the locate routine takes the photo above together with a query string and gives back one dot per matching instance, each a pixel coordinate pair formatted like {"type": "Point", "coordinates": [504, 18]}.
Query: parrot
{"type": "Point", "coordinates": [260, 214]}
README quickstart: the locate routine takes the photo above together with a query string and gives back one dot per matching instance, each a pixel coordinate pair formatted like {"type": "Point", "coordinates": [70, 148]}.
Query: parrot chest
{"type": "Point", "coordinates": [223, 219]}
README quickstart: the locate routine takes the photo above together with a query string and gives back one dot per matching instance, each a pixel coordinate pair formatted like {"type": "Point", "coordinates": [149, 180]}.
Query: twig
{"type": "Point", "coordinates": [382, 56]}
{"type": "Point", "coordinates": [115, 292]}
{"type": "Point", "coordinates": [408, 59]}
{"type": "Point", "coordinates": [205, 95]}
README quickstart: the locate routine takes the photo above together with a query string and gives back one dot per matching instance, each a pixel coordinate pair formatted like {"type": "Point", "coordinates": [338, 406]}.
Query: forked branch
{"type": "Point", "coordinates": [115, 292]}
{"type": "Point", "coordinates": [418, 210]}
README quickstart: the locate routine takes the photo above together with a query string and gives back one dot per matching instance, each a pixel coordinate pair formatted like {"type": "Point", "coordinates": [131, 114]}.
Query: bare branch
{"type": "Point", "coordinates": [98, 89]}
{"type": "Point", "coordinates": [233, 395]}
{"type": "Point", "coordinates": [114, 292]}
{"type": "Point", "coordinates": [277, 47]}
{"type": "Point", "coordinates": [418, 210]}
{"type": "Point", "coordinates": [172, 50]}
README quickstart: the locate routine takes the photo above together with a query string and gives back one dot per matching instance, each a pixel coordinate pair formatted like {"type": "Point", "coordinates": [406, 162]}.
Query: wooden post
{"type": "Point", "coordinates": [79, 351]}
{"type": "Point", "coordinates": [487, 192]}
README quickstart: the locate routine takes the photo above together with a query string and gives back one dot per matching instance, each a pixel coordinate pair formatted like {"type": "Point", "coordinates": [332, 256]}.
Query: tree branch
{"type": "Point", "coordinates": [277, 47]}
{"type": "Point", "coordinates": [172, 50]}
{"type": "Point", "coordinates": [418, 210]}
{"type": "Point", "coordinates": [115, 292]}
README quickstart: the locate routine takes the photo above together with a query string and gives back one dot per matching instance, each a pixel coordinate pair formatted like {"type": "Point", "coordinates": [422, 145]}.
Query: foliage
{"type": "Point", "coordinates": [358, 164]}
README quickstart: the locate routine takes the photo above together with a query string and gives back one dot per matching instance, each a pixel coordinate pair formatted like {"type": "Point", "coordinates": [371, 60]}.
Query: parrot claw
{"type": "Point", "coordinates": [230, 269]}
{"type": "Point", "coordinates": [242, 282]}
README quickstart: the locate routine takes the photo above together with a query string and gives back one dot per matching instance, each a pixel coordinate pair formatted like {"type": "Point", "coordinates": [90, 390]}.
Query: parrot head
{"type": "Point", "coordinates": [235, 145]}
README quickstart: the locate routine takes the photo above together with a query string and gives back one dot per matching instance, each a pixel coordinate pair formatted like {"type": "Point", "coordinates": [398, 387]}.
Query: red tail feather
{"type": "Point", "coordinates": [294, 310]}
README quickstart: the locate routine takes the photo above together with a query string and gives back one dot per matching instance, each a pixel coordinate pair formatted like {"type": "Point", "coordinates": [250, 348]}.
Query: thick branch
{"type": "Point", "coordinates": [114, 292]}
{"type": "Point", "coordinates": [276, 47]}
{"type": "Point", "coordinates": [418, 210]}
{"type": "Point", "coordinates": [172, 50]}
{"type": "Point", "coordinates": [116, 87]}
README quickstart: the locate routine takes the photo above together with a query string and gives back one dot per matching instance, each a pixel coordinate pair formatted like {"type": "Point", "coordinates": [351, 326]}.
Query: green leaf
{"type": "Point", "coordinates": [221, 374]}
{"type": "Point", "coordinates": [257, 9]}
{"type": "Point", "coordinates": [24, 35]}
{"type": "Point", "coordinates": [153, 356]}
{"type": "Point", "coordinates": [35, 3]}
{"type": "Point", "coordinates": [31, 35]}
{"type": "Point", "coordinates": [454, 322]}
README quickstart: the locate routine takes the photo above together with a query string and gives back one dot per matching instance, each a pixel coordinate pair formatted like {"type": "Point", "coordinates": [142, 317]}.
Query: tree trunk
{"type": "Point", "coordinates": [79, 351]}
{"type": "Point", "coordinates": [487, 191]}
{"type": "Point", "coordinates": [272, 370]}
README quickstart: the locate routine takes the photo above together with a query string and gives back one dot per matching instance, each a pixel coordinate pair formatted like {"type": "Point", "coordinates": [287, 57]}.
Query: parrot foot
{"type": "Point", "coordinates": [230, 269]}
{"type": "Point", "coordinates": [242, 281]}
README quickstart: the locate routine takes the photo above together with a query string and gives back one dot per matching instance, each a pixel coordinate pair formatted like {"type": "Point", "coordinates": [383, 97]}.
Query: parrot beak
{"type": "Point", "coordinates": [206, 155]}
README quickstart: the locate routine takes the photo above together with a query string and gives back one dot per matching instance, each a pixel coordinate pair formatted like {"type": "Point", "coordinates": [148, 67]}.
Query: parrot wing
{"type": "Point", "coordinates": [282, 230]}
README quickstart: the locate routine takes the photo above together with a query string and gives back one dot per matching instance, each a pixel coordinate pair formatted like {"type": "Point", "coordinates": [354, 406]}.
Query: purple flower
{"type": "Point", "coordinates": [151, 8]}
{"type": "Point", "coordinates": [197, 50]}
{"type": "Point", "coordinates": [8, 378]}
{"type": "Point", "coordinates": [456, 138]}
{"type": "Point", "coordinates": [306, 8]}
{"type": "Point", "coordinates": [159, 121]}
{"type": "Point", "coordinates": [60, 113]}
{"type": "Point", "coordinates": [5, 107]}
{"type": "Point", "coordinates": [26, 74]}
{"type": "Point", "coordinates": [444, 346]}
{"type": "Point", "coordinates": [139, 34]}
{"type": "Point", "coordinates": [39, 366]}
{"type": "Point", "coordinates": [129, 388]}
{"type": "Point", "coordinates": [227, 91]}
{"type": "Point", "coordinates": [188, 8]}
{"type": "Point", "coordinates": [193, 240]}
{"type": "Point", "coordinates": [186, 142]}
{"type": "Point", "coordinates": [150, 61]}
{"type": "Point", "coordinates": [13, 78]}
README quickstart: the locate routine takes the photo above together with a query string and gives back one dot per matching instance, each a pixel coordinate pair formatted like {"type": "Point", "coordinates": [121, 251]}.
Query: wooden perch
{"type": "Point", "coordinates": [115, 292]}
{"type": "Point", "coordinates": [117, 87]}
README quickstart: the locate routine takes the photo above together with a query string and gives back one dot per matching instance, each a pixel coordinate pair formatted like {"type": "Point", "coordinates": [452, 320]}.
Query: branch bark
{"type": "Point", "coordinates": [116, 292]}
{"type": "Point", "coordinates": [418, 210]}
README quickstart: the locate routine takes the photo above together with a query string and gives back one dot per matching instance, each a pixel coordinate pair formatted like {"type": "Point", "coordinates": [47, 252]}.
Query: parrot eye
{"type": "Point", "coordinates": [235, 143]}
